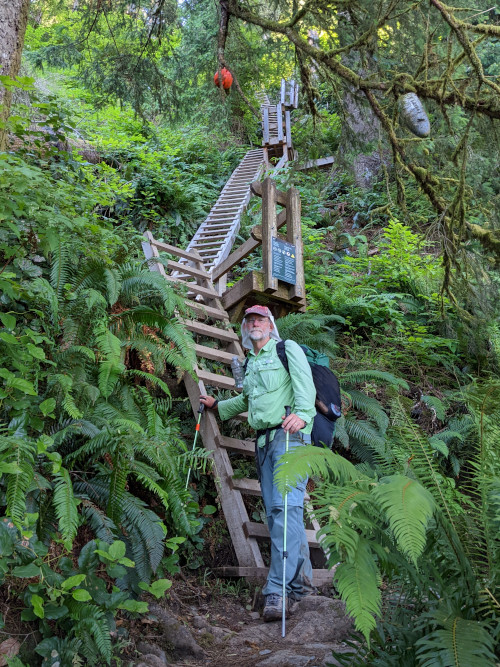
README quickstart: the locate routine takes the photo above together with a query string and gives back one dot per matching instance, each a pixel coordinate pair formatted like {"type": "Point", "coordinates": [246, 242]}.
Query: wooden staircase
{"type": "Point", "coordinates": [207, 260]}
{"type": "Point", "coordinates": [217, 341]}
{"type": "Point", "coordinates": [216, 235]}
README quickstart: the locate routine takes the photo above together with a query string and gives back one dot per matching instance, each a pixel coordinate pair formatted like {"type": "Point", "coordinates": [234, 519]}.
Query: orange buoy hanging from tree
{"type": "Point", "coordinates": [227, 78]}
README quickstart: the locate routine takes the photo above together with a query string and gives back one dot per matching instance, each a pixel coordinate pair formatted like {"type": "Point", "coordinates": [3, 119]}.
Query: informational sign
{"type": "Point", "coordinates": [284, 261]}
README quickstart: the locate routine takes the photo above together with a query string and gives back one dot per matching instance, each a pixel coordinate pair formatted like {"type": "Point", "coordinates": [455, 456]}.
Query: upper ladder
{"type": "Point", "coordinates": [215, 236]}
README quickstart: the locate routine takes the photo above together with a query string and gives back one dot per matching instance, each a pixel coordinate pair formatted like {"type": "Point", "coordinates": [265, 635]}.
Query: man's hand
{"type": "Point", "coordinates": [292, 423]}
{"type": "Point", "coordinates": [209, 402]}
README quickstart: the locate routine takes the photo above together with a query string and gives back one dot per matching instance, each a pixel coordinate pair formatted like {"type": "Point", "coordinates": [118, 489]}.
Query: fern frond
{"type": "Point", "coordinates": [358, 377]}
{"type": "Point", "coordinates": [93, 628]}
{"type": "Point", "coordinates": [371, 407]}
{"type": "Point", "coordinates": [157, 382]}
{"type": "Point", "coordinates": [436, 405]}
{"type": "Point", "coordinates": [458, 642]}
{"type": "Point", "coordinates": [357, 583]}
{"type": "Point", "coordinates": [146, 534]}
{"type": "Point", "coordinates": [117, 484]}
{"type": "Point", "coordinates": [408, 507]}
{"type": "Point", "coordinates": [309, 460]}
{"type": "Point", "coordinates": [102, 526]}
{"type": "Point", "coordinates": [18, 463]}
{"type": "Point", "coordinates": [364, 432]}
{"type": "Point", "coordinates": [65, 506]}
{"type": "Point", "coordinates": [113, 285]}
{"type": "Point", "coordinates": [61, 268]}
{"type": "Point", "coordinates": [65, 383]}
{"type": "Point", "coordinates": [316, 331]}
{"type": "Point", "coordinates": [341, 433]}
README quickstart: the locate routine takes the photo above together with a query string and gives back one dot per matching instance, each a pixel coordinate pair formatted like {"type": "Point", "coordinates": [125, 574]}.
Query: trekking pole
{"type": "Point", "coordinates": [197, 430]}
{"type": "Point", "coordinates": [288, 410]}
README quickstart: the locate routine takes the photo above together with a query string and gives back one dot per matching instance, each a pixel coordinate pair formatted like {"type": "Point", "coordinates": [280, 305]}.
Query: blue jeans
{"type": "Point", "coordinates": [298, 574]}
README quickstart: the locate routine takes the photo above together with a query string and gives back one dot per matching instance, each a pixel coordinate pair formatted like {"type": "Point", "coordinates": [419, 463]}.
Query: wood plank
{"type": "Point", "coordinates": [166, 247]}
{"type": "Point", "coordinates": [252, 284]}
{"type": "Point", "coordinates": [279, 109]}
{"type": "Point", "coordinates": [213, 353]}
{"type": "Point", "coordinates": [217, 225]}
{"type": "Point", "coordinates": [294, 236]}
{"type": "Point", "coordinates": [261, 532]}
{"type": "Point", "coordinates": [288, 129]}
{"type": "Point", "coordinates": [222, 381]}
{"type": "Point", "coordinates": [190, 270]}
{"type": "Point", "coordinates": [249, 487]}
{"type": "Point", "coordinates": [318, 164]}
{"type": "Point", "coordinates": [207, 330]}
{"type": "Point", "coordinates": [207, 311]}
{"type": "Point", "coordinates": [151, 253]}
{"type": "Point", "coordinates": [193, 288]}
{"type": "Point", "coordinates": [269, 231]}
{"type": "Point", "coordinates": [235, 258]}
{"type": "Point", "coordinates": [283, 91]}
{"type": "Point", "coordinates": [265, 130]}
{"type": "Point", "coordinates": [296, 96]}
{"type": "Point", "coordinates": [291, 93]}
{"type": "Point", "coordinates": [321, 577]}
{"type": "Point", "coordinates": [246, 447]}
{"type": "Point", "coordinates": [257, 189]}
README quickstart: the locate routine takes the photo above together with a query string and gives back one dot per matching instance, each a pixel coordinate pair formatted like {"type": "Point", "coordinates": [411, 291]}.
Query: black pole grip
{"type": "Point", "coordinates": [288, 410]}
{"type": "Point", "coordinates": [201, 408]}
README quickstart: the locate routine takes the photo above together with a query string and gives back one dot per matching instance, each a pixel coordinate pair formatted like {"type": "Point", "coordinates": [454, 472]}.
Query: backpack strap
{"type": "Point", "coordinates": [281, 352]}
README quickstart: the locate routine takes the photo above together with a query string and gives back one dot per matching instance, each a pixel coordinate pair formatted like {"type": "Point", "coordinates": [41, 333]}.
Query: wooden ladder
{"type": "Point", "coordinates": [216, 340]}
{"type": "Point", "coordinates": [215, 236]}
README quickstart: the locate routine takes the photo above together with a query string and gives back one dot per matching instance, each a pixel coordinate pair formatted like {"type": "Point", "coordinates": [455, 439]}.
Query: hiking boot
{"type": "Point", "coordinates": [273, 608]}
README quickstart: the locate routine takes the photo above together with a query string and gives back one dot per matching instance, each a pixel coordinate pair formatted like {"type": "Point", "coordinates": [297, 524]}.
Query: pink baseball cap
{"type": "Point", "coordinates": [259, 310]}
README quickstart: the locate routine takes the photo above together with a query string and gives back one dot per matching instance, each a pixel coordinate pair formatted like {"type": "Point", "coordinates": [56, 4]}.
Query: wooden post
{"type": "Point", "coordinates": [294, 235]}
{"type": "Point", "coordinates": [269, 230]}
{"type": "Point", "coordinates": [150, 252]}
{"type": "Point", "coordinates": [279, 118]}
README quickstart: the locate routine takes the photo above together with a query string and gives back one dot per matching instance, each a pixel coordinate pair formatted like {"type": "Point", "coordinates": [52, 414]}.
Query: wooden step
{"type": "Point", "coordinates": [190, 270]}
{"type": "Point", "coordinates": [247, 486]}
{"type": "Point", "coordinates": [213, 353]}
{"type": "Point", "coordinates": [203, 329]}
{"type": "Point", "coordinates": [261, 532]}
{"type": "Point", "coordinates": [207, 311]}
{"type": "Point", "coordinates": [246, 447]}
{"type": "Point", "coordinates": [193, 288]}
{"type": "Point", "coordinates": [222, 381]}
{"type": "Point", "coordinates": [174, 250]}
{"type": "Point", "coordinates": [321, 577]}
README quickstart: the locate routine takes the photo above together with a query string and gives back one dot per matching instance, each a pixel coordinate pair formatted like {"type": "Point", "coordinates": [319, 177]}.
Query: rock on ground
{"type": "Point", "coordinates": [176, 635]}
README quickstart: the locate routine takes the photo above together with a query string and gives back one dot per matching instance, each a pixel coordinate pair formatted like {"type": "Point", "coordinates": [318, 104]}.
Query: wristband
{"type": "Point", "coordinates": [215, 405]}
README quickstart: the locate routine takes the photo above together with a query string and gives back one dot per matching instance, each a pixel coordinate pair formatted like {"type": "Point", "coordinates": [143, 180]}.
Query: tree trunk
{"type": "Point", "coordinates": [13, 22]}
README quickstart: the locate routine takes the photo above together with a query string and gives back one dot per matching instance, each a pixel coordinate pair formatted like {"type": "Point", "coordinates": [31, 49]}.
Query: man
{"type": "Point", "coordinates": [267, 388]}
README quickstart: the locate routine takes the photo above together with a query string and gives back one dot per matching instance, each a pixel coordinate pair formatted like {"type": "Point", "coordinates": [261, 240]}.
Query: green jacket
{"type": "Point", "coordinates": [268, 388]}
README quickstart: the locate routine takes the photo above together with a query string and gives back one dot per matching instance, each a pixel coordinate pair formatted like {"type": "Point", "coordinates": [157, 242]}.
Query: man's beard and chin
{"type": "Point", "coordinates": [256, 334]}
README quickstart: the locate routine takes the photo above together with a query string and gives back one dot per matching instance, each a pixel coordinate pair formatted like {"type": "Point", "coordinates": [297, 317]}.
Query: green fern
{"type": "Point", "coordinates": [458, 642]}
{"type": "Point", "coordinates": [357, 583]}
{"type": "Point", "coordinates": [65, 507]}
{"type": "Point", "coordinates": [117, 484]}
{"type": "Point", "coordinates": [409, 508]}
{"type": "Point", "coordinates": [17, 461]}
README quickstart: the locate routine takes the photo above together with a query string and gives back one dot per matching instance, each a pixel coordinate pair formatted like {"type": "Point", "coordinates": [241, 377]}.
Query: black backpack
{"type": "Point", "coordinates": [328, 400]}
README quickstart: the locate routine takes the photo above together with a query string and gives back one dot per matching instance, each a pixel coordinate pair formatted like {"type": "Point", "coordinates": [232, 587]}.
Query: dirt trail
{"type": "Point", "coordinates": [197, 627]}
